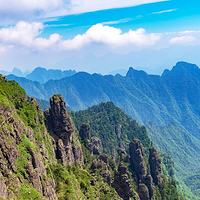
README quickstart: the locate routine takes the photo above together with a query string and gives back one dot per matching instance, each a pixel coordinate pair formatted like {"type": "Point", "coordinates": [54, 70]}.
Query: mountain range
{"type": "Point", "coordinates": [44, 155]}
{"type": "Point", "coordinates": [168, 105]}
{"type": "Point", "coordinates": [40, 74]}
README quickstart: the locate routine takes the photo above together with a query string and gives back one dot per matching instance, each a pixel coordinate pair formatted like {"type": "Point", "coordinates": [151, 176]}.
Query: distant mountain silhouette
{"type": "Point", "coordinates": [16, 72]}
{"type": "Point", "coordinates": [43, 75]}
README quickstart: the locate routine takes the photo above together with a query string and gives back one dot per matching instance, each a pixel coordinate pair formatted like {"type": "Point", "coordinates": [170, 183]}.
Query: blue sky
{"type": "Point", "coordinates": [45, 33]}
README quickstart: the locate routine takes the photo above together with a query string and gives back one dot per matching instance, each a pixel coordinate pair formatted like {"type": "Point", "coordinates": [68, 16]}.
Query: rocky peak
{"type": "Point", "coordinates": [136, 73]}
{"type": "Point", "coordinates": [59, 123]}
{"type": "Point", "coordinates": [84, 131]}
{"type": "Point", "coordinates": [155, 165]}
{"type": "Point", "coordinates": [95, 147]}
{"type": "Point", "coordinates": [137, 158]}
{"type": "Point", "coordinates": [92, 144]}
{"type": "Point", "coordinates": [145, 180]}
{"type": "Point", "coordinates": [122, 183]}
{"type": "Point", "coordinates": [101, 164]}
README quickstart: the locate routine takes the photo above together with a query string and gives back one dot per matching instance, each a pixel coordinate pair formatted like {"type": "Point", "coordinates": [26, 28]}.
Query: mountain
{"type": "Point", "coordinates": [168, 104]}
{"type": "Point", "coordinates": [43, 156]}
{"type": "Point", "coordinates": [16, 72]}
{"type": "Point", "coordinates": [154, 63]}
{"type": "Point", "coordinates": [43, 75]}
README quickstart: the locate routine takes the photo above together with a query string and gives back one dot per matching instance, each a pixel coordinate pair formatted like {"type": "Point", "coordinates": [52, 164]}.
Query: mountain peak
{"type": "Point", "coordinates": [135, 73]}
{"type": "Point", "coordinates": [185, 65]}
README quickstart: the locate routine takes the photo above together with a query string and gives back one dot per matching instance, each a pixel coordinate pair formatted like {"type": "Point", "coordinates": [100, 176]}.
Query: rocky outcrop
{"type": "Point", "coordinates": [118, 131]}
{"type": "Point", "coordinates": [122, 153]}
{"type": "Point", "coordinates": [144, 178]}
{"type": "Point", "coordinates": [3, 188]}
{"type": "Point", "coordinates": [101, 164]}
{"type": "Point", "coordinates": [22, 157]}
{"type": "Point", "coordinates": [143, 192]}
{"type": "Point", "coordinates": [137, 159]}
{"type": "Point", "coordinates": [122, 183]}
{"type": "Point", "coordinates": [60, 126]}
{"type": "Point", "coordinates": [155, 165]}
{"type": "Point", "coordinates": [95, 147]}
{"type": "Point", "coordinates": [92, 144]}
{"type": "Point", "coordinates": [84, 131]}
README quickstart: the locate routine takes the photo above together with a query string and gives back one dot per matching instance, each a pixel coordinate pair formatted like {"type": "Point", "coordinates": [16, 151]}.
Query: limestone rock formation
{"type": "Point", "coordinates": [122, 182]}
{"type": "Point", "coordinates": [155, 165]}
{"type": "Point", "coordinates": [143, 192]}
{"type": "Point", "coordinates": [101, 163]}
{"type": "Point", "coordinates": [92, 144]}
{"type": "Point", "coordinates": [21, 158]}
{"type": "Point", "coordinates": [95, 147]}
{"type": "Point", "coordinates": [60, 126]}
{"type": "Point", "coordinates": [145, 180]}
{"type": "Point", "coordinates": [137, 158]}
{"type": "Point", "coordinates": [85, 131]}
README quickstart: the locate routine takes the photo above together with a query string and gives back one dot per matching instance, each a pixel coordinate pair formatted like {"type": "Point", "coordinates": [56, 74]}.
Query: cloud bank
{"type": "Point", "coordinates": [27, 35]}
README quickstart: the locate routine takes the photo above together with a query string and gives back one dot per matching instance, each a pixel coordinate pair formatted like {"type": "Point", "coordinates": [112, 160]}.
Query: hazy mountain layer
{"type": "Point", "coordinates": [42, 75]}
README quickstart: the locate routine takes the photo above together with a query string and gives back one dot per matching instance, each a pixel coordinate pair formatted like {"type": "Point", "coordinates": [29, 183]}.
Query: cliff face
{"type": "Point", "coordinates": [22, 154]}
{"type": "Point", "coordinates": [122, 183]}
{"type": "Point", "coordinates": [155, 165]}
{"type": "Point", "coordinates": [144, 178]}
{"type": "Point", "coordinates": [92, 144]}
{"type": "Point", "coordinates": [60, 126]}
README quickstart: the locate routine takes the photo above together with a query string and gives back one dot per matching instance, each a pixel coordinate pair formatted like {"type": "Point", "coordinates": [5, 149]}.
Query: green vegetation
{"type": "Point", "coordinates": [75, 183]}
{"type": "Point", "coordinates": [112, 126]}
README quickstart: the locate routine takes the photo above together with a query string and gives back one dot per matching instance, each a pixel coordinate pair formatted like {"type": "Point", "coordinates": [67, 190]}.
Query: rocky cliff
{"type": "Point", "coordinates": [144, 177]}
{"type": "Point", "coordinates": [92, 144]}
{"type": "Point", "coordinates": [60, 126]}
{"type": "Point", "coordinates": [23, 155]}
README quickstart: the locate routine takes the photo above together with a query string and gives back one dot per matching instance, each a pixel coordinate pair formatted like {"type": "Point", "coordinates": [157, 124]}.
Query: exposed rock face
{"type": "Point", "coordinates": [122, 153]}
{"type": "Point", "coordinates": [143, 192]}
{"type": "Point", "coordinates": [3, 188]}
{"type": "Point", "coordinates": [60, 125]}
{"type": "Point", "coordinates": [122, 182]}
{"type": "Point", "coordinates": [101, 164]}
{"type": "Point", "coordinates": [137, 158]}
{"type": "Point", "coordinates": [14, 137]}
{"type": "Point", "coordinates": [85, 131]}
{"type": "Point", "coordinates": [155, 165]}
{"type": "Point", "coordinates": [118, 131]}
{"type": "Point", "coordinates": [92, 144]}
{"type": "Point", "coordinates": [145, 180]}
{"type": "Point", "coordinates": [95, 147]}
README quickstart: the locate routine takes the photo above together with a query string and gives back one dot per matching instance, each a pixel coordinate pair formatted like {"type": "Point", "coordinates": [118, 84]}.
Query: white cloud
{"type": "Point", "coordinates": [164, 11]}
{"type": "Point", "coordinates": [189, 32]}
{"type": "Point", "coordinates": [79, 6]}
{"type": "Point", "coordinates": [12, 10]}
{"type": "Point", "coordinates": [22, 34]}
{"type": "Point", "coordinates": [120, 21]}
{"type": "Point", "coordinates": [111, 36]}
{"type": "Point", "coordinates": [182, 40]}
{"type": "Point", "coordinates": [25, 34]}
